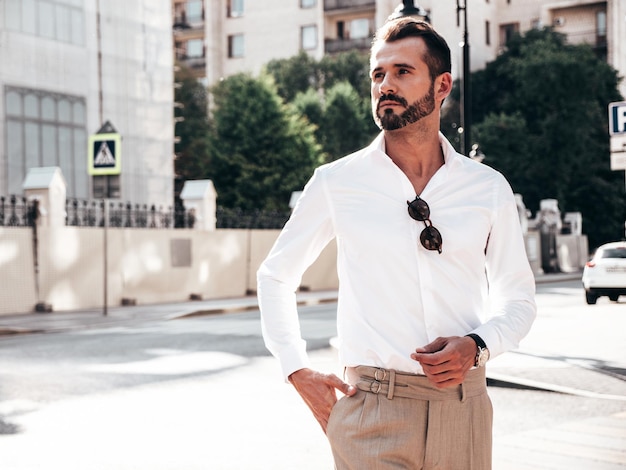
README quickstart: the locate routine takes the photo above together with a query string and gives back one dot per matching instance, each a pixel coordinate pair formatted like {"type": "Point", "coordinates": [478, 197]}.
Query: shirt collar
{"type": "Point", "coordinates": [450, 155]}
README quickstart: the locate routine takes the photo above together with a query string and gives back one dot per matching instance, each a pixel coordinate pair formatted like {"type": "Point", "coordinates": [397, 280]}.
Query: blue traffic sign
{"type": "Point", "coordinates": [617, 118]}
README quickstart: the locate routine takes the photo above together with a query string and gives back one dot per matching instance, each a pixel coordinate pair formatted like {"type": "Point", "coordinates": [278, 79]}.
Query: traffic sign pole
{"type": "Point", "coordinates": [617, 131]}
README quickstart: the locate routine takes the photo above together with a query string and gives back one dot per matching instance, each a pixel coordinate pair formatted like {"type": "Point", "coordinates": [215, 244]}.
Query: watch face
{"type": "Point", "coordinates": [483, 357]}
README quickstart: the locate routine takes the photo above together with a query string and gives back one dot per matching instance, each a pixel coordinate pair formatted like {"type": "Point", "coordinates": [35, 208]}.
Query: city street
{"type": "Point", "coordinates": [202, 392]}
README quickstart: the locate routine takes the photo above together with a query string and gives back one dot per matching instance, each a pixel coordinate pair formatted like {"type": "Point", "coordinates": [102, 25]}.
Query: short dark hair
{"type": "Point", "coordinates": [438, 57]}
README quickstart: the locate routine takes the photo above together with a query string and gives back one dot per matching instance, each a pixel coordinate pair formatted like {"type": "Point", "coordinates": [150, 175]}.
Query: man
{"type": "Point", "coordinates": [430, 251]}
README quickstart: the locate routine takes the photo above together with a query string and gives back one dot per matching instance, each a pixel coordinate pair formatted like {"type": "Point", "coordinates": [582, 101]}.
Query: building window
{"type": "Point", "coordinates": [235, 8]}
{"type": "Point", "coordinates": [487, 33]}
{"type": "Point", "coordinates": [308, 37]}
{"type": "Point", "coordinates": [601, 24]}
{"type": "Point", "coordinates": [507, 31]}
{"type": "Point", "coordinates": [46, 129]}
{"type": "Point", "coordinates": [359, 28]}
{"type": "Point", "coordinates": [308, 3]}
{"type": "Point", "coordinates": [235, 46]}
{"type": "Point", "coordinates": [60, 20]}
{"type": "Point", "coordinates": [195, 12]}
{"type": "Point", "coordinates": [195, 48]}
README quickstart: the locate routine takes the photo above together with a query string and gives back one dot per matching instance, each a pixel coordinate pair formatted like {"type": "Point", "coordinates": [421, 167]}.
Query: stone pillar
{"type": "Point", "coordinates": [522, 213]}
{"type": "Point", "coordinates": [199, 197]}
{"type": "Point", "coordinates": [574, 220]}
{"type": "Point", "coordinates": [47, 185]}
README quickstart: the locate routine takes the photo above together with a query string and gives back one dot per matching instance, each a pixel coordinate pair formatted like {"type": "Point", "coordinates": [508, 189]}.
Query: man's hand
{"type": "Point", "coordinates": [318, 392]}
{"type": "Point", "coordinates": [446, 361]}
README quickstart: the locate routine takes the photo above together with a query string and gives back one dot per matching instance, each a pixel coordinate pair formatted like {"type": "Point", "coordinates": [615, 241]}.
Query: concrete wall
{"type": "Point", "coordinates": [144, 266]}
{"type": "Point", "coordinates": [17, 280]}
{"type": "Point", "coordinates": [154, 266]}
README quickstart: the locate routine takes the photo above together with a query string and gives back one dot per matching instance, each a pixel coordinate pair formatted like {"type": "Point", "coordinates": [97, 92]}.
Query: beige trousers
{"type": "Point", "coordinates": [401, 421]}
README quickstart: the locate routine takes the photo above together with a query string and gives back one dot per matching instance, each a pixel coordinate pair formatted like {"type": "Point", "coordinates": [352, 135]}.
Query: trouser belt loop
{"type": "Point", "coordinates": [392, 384]}
{"type": "Point", "coordinates": [462, 392]}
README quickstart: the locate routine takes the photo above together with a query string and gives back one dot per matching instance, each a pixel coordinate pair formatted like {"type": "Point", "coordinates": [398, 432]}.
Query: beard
{"type": "Point", "coordinates": [390, 121]}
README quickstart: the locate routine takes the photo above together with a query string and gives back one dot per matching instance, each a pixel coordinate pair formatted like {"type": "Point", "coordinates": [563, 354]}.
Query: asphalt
{"type": "Point", "coordinates": [602, 440]}
{"type": "Point", "coordinates": [505, 373]}
{"type": "Point", "coordinates": [524, 370]}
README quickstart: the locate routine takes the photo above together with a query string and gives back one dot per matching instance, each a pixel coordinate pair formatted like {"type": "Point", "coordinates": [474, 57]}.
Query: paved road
{"type": "Point", "coordinates": [201, 393]}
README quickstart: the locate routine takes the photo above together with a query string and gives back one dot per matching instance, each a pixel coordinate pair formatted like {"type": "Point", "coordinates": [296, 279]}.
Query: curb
{"type": "Point", "coordinates": [502, 380]}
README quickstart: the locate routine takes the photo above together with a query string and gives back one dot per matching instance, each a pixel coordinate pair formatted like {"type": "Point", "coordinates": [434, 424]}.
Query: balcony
{"type": "Point", "coordinates": [333, 46]}
{"type": "Point", "coordinates": [348, 4]}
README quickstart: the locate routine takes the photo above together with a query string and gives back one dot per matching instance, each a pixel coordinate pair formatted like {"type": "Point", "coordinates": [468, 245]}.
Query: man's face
{"type": "Point", "coordinates": [402, 91]}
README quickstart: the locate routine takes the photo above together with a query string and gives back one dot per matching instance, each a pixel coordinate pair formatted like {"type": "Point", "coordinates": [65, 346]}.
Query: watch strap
{"type": "Point", "coordinates": [478, 340]}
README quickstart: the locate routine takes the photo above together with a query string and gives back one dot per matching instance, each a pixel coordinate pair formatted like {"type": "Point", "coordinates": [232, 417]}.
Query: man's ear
{"type": "Point", "coordinates": [443, 86]}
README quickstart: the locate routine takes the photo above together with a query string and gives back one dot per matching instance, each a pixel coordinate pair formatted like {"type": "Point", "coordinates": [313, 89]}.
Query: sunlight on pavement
{"type": "Point", "coordinates": [176, 364]}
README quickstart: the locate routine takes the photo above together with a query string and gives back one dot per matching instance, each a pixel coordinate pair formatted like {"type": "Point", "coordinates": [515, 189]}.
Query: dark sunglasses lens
{"type": "Point", "coordinates": [419, 210]}
{"type": "Point", "coordinates": [431, 239]}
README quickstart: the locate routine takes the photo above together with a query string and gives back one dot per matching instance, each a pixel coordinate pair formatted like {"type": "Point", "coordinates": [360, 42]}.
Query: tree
{"type": "Point", "coordinates": [345, 125]}
{"type": "Point", "coordinates": [294, 75]}
{"type": "Point", "coordinates": [263, 150]}
{"type": "Point", "coordinates": [193, 154]}
{"type": "Point", "coordinates": [541, 114]}
{"type": "Point", "coordinates": [351, 67]}
{"type": "Point", "coordinates": [310, 105]}
{"type": "Point", "coordinates": [299, 73]}
{"type": "Point", "coordinates": [333, 94]}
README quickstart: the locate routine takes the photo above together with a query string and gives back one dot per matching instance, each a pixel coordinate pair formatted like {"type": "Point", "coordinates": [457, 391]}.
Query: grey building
{"type": "Point", "coordinates": [69, 66]}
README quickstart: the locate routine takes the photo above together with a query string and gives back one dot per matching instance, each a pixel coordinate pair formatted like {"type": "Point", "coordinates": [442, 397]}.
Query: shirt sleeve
{"type": "Point", "coordinates": [304, 236]}
{"type": "Point", "coordinates": [510, 278]}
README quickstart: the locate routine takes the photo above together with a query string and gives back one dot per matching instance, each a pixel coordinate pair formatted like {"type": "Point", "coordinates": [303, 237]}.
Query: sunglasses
{"type": "Point", "coordinates": [430, 236]}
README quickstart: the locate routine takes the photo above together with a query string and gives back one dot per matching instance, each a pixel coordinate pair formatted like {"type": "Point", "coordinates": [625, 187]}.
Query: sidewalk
{"type": "Point", "coordinates": [51, 322]}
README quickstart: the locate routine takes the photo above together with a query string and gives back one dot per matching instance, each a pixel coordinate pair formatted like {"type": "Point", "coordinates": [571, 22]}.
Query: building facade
{"type": "Point", "coordinates": [69, 66]}
{"type": "Point", "coordinates": [241, 35]}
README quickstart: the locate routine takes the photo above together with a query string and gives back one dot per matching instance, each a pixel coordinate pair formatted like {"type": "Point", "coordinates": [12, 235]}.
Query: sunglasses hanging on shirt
{"type": "Point", "coordinates": [430, 236]}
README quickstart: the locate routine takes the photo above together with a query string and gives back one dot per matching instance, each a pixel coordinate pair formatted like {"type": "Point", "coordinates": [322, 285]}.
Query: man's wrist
{"type": "Point", "coordinates": [482, 352]}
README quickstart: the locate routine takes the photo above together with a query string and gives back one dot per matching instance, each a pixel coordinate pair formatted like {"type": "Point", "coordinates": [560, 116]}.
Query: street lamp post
{"type": "Point", "coordinates": [466, 108]}
{"type": "Point", "coordinates": [408, 8]}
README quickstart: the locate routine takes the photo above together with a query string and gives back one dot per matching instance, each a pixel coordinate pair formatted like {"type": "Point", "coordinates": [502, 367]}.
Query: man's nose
{"type": "Point", "coordinates": [387, 86]}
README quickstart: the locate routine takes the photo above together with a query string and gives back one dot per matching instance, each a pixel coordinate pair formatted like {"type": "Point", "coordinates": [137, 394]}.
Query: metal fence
{"type": "Point", "coordinates": [251, 219]}
{"type": "Point", "coordinates": [17, 211]}
{"type": "Point", "coordinates": [84, 213]}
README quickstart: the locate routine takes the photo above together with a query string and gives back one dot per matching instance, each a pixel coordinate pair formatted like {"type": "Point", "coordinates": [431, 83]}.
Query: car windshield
{"type": "Point", "coordinates": [614, 253]}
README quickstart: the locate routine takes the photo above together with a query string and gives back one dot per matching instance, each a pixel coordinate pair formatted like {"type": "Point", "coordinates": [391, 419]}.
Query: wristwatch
{"type": "Point", "coordinates": [482, 352]}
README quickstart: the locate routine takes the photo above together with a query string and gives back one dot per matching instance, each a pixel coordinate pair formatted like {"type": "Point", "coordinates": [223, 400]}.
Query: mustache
{"type": "Point", "coordinates": [391, 97]}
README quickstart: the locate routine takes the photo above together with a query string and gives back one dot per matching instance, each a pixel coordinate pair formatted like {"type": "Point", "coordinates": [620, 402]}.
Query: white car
{"type": "Point", "coordinates": [605, 273]}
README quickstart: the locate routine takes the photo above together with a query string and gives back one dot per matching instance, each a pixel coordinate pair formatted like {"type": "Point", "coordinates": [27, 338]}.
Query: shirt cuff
{"type": "Point", "coordinates": [292, 359]}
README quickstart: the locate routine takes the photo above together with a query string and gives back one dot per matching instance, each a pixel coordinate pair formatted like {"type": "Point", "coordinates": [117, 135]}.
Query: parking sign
{"type": "Point", "coordinates": [617, 118]}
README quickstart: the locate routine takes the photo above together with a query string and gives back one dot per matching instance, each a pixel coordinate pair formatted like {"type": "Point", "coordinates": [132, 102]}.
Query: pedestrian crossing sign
{"type": "Point", "coordinates": [105, 154]}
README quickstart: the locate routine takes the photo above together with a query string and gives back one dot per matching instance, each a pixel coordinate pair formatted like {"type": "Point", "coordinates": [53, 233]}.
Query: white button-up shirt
{"type": "Point", "coordinates": [394, 295]}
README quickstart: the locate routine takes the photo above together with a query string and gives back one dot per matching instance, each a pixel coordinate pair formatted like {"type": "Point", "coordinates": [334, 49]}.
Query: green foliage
{"type": "Point", "coordinates": [351, 67]}
{"type": "Point", "coordinates": [344, 127]}
{"type": "Point", "coordinates": [263, 150]}
{"type": "Point", "coordinates": [294, 75]}
{"type": "Point", "coordinates": [300, 73]}
{"type": "Point", "coordinates": [333, 94]}
{"type": "Point", "coordinates": [541, 114]}
{"type": "Point", "coordinates": [193, 151]}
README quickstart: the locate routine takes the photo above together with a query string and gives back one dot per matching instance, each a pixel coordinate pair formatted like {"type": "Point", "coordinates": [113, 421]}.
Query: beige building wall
{"type": "Point", "coordinates": [271, 29]}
